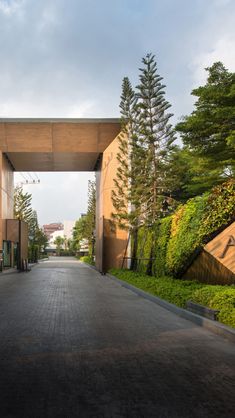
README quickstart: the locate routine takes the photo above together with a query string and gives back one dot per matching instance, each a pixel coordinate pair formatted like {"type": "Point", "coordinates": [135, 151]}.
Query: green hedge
{"type": "Point", "coordinates": [162, 238]}
{"type": "Point", "coordinates": [179, 291]}
{"type": "Point", "coordinates": [87, 259]}
{"type": "Point", "coordinates": [180, 236]}
{"type": "Point", "coordinates": [184, 236]}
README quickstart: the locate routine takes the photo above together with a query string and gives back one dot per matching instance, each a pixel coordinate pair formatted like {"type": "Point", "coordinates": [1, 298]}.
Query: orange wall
{"type": "Point", "coordinates": [114, 239]}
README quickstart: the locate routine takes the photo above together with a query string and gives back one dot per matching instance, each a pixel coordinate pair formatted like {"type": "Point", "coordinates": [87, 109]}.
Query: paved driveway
{"type": "Point", "coordinates": [75, 344]}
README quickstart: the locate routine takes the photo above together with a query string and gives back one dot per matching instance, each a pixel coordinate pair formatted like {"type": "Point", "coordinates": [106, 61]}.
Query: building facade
{"type": "Point", "coordinates": [64, 145]}
{"type": "Point", "coordinates": [48, 229]}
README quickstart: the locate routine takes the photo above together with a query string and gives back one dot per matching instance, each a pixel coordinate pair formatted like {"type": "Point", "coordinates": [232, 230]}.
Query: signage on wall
{"type": "Point", "coordinates": [230, 243]}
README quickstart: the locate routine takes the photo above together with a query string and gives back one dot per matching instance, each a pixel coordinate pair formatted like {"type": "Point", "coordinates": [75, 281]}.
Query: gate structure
{"type": "Point", "coordinates": [63, 145]}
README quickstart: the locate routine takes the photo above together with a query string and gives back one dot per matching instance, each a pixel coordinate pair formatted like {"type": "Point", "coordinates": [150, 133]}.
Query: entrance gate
{"type": "Point", "coordinates": [65, 145]}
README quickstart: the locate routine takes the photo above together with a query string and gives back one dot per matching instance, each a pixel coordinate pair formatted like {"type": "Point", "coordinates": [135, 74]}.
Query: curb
{"type": "Point", "coordinates": [213, 326]}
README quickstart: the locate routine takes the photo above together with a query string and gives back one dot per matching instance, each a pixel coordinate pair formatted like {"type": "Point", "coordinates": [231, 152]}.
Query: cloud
{"type": "Point", "coordinates": [68, 58]}
{"type": "Point", "coordinates": [223, 50]}
{"type": "Point", "coordinates": [9, 7]}
{"type": "Point", "coordinates": [59, 196]}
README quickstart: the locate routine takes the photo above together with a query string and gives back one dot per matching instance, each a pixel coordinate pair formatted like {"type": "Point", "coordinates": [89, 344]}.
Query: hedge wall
{"type": "Point", "coordinates": [179, 237]}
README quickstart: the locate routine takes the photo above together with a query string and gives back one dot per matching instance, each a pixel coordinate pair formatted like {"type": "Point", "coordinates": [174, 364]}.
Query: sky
{"type": "Point", "coordinates": [67, 58]}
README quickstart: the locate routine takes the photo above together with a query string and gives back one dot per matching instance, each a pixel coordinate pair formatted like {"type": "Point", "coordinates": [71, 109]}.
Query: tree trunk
{"type": "Point", "coordinates": [133, 265]}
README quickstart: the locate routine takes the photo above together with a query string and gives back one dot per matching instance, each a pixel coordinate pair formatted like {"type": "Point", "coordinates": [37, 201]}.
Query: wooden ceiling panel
{"type": "Point", "coordinates": [53, 161]}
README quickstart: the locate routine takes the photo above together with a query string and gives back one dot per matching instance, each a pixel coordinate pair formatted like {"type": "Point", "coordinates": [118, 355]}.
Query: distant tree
{"type": "Point", "coordinates": [23, 211]}
{"type": "Point", "coordinates": [79, 232]}
{"type": "Point", "coordinates": [156, 137]}
{"type": "Point", "coordinates": [33, 226]}
{"type": "Point", "coordinates": [59, 241]}
{"type": "Point", "coordinates": [22, 205]}
{"type": "Point", "coordinates": [41, 239]}
{"type": "Point", "coordinates": [90, 218]}
{"type": "Point", "coordinates": [208, 133]}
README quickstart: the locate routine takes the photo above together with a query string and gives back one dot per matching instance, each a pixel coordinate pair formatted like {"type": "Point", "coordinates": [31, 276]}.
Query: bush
{"type": "Point", "coordinates": [220, 209]}
{"type": "Point", "coordinates": [179, 291]}
{"type": "Point", "coordinates": [66, 253]}
{"type": "Point", "coordinates": [87, 259]}
{"type": "Point", "coordinates": [224, 301]}
{"type": "Point", "coordinates": [33, 253]}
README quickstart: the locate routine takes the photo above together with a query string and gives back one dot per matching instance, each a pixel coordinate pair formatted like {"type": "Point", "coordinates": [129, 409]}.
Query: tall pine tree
{"type": "Point", "coordinates": [156, 137]}
{"type": "Point", "coordinates": [125, 196]}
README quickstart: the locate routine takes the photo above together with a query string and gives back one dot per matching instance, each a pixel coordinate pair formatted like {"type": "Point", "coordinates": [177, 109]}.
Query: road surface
{"type": "Point", "coordinates": [74, 343]}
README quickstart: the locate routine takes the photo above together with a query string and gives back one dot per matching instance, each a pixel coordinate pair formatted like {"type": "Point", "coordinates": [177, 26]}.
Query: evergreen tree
{"type": "Point", "coordinates": [208, 133]}
{"type": "Point", "coordinates": [79, 232]}
{"type": "Point", "coordinates": [124, 195]}
{"type": "Point", "coordinates": [85, 226]}
{"type": "Point", "coordinates": [23, 211]}
{"type": "Point", "coordinates": [156, 137]}
{"type": "Point", "coordinates": [22, 205]}
{"type": "Point", "coordinates": [91, 216]}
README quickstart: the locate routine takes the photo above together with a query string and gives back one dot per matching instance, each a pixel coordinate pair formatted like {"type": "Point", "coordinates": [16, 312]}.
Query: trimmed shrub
{"type": "Point", "coordinates": [179, 291]}
{"type": "Point", "coordinates": [87, 259]}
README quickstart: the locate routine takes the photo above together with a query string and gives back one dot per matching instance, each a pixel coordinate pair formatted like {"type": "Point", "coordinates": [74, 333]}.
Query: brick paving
{"type": "Point", "coordinates": [75, 344]}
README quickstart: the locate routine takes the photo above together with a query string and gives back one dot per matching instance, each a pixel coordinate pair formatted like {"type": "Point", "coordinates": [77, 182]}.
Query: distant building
{"type": "Point", "coordinates": [68, 229]}
{"type": "Point", "coordinates": [50, 228]}
{"type": "Point", "coordinates": [65, 232]}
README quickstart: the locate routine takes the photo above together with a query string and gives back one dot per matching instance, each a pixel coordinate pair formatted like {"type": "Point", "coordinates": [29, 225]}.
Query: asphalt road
{"type": "Point", "coordinates": [74, 343]}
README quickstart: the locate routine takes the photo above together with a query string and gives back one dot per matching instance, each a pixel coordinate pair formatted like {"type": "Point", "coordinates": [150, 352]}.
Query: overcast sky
{"type": "Point", "coordinates": [67, 58]}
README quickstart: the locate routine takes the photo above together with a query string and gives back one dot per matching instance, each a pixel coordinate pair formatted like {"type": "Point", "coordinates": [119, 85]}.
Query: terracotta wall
{"type": "Point", "coordinates": [6, 195]}
{"type": "Point", "coordinates": [110, 242]}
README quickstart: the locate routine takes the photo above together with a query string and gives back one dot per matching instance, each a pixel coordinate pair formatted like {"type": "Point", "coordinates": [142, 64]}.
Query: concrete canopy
{"type": "Point", "coordinates": [56, 144]}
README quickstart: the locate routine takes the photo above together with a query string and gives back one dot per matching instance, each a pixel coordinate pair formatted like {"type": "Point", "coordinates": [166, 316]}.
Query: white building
{"type": "Point", "coordinates": [67, 233]}
{"type": "Point", "coordinates": [68, 229]}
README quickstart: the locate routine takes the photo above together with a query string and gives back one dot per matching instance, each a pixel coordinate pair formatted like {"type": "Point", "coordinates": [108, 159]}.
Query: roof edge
{"type": "Point", "coordinates": [60, 120]}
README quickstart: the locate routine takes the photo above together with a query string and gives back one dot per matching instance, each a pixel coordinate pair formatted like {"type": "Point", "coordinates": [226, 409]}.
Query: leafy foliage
{"type": "Point", "coordinates": [179, 236]}
{"type": "Point", "coordinates": [162, 238]}
{"type": "Point", "coordinates": [184, 237]}
{"type": "Point", "coordinates": [23, 211]}
{"type": "Point", "coordinates": [85, 225]}
{"type": "Point", "coordinates": [209, 132]}
{"type": "Point", "coordinates": [221, 298]}
{"type": "Point", "coordinates": [220, 208]}
{"type": "Point", "coordinates": [194, 222]}
{"type": "Point", "coordinates": [179, 291]}
{"type": "Point", "coordinates": [22, 205]}
{"type": "Point", "coordinates": [59, 241]}
{"type": "Point", "coordinates": [87, 259]}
